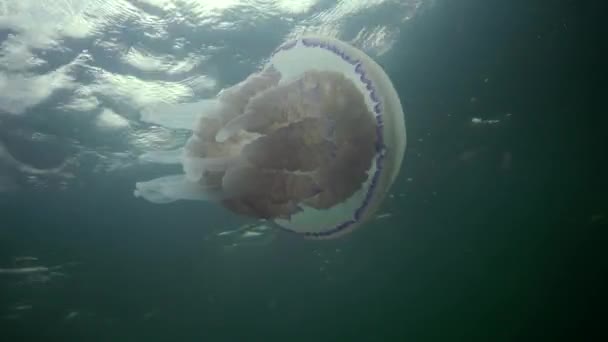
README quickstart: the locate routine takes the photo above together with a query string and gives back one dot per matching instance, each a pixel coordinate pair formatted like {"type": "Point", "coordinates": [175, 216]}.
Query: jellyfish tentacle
{"type": "Point", "coordinates": [206, 153]}
{"type": "Point", "coordinates": [172, 188]}
{"type": "Point", "coordinates": [278, 106]}
{"type": "Point", "coordinates": [277, 186]}
{"type": "Point", "coordinates": [197, 167]}
{"type": "Point", "coordinates": [300, 146]}
{"type": "Point", "coordinates": [237, 96]}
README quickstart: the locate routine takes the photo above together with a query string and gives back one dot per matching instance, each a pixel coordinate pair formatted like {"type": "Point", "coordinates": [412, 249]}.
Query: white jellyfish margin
{"type": "Point", "coordinates": [292, 59]}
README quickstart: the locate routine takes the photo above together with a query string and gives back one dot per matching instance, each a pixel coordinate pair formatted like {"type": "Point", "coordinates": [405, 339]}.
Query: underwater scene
{"type": "Point", "coordinates": [302, 170]}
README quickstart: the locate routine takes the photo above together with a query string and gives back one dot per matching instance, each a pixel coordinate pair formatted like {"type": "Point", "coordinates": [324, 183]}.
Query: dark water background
{"type": "Point", "coordinates": [499, 236]}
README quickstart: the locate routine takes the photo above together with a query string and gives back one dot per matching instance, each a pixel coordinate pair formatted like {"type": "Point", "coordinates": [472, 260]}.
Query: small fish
{"type": "Point", "coordinates": [23, 270]}
{"type": "Point", "coordinates": [22, 307]}
{"type": "Point", "coordinates": [383, 216]}
{"type": "Point", "coordinates": [71, 315]}
{"type": "Point", "coordinates": [25, 258]}
{"type": "Point", "coordinates": [250, 234]}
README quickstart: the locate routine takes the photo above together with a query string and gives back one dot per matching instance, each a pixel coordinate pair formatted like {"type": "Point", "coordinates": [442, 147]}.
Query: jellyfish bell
{"type": "Point", "coordinates": [311, 142]}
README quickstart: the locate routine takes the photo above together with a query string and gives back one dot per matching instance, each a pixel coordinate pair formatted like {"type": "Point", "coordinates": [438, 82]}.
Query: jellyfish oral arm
{"type": "Point", "coordinates": [173, 188]}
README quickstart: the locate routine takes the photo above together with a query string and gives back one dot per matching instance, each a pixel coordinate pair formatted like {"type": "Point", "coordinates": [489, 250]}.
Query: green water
{"type": "Point", "coordinates": [496, 231]}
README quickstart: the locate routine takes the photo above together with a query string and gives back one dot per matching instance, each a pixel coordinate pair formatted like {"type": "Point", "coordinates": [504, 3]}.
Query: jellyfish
{"type": "Point", "coordinates": [312, 142]}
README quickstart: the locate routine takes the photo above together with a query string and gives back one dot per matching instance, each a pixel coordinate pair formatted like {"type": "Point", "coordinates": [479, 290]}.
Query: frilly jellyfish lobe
{"type": "Point", "coordinates": [312, 142]}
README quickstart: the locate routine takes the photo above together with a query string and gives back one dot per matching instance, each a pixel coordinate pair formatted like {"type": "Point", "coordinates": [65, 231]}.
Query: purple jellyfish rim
{"type": "Point", "coordinates": [380, 147]}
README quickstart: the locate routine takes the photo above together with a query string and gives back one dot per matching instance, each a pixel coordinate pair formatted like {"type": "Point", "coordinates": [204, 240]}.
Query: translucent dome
{"type": "Point", "coordinates": [312, 142]}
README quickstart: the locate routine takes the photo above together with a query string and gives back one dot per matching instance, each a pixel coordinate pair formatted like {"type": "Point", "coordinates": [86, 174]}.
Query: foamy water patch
{"type": "Point", "coordinates": [20, 92]}
{"type": "Point", "coordinates": [147, 61]}
{"type": "Point", "coordinates": [82, 101]}
{"type": "Point", "coordinates": [135, 92]}
{"type": "Point", "coordinates": [108, 120]}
